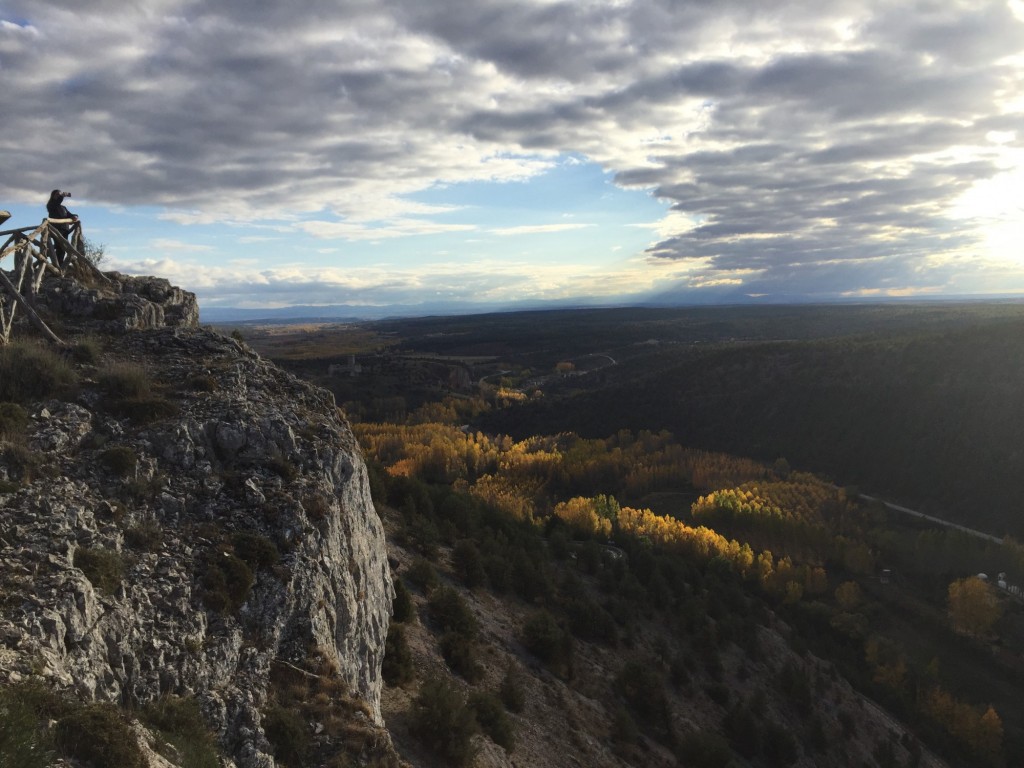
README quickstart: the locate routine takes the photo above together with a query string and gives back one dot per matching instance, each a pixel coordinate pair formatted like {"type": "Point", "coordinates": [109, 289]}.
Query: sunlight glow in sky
{"type": "Point", "coordinates": [396, 152]}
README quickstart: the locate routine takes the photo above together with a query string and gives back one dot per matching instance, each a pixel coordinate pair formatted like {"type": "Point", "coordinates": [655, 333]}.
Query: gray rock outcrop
{"type": "Point", "coordinates": [118, 303]}
{"type": "Point", "coordinates": [136, 521]}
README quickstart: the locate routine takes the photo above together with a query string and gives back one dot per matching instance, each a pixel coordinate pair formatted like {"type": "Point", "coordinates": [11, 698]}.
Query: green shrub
{"type": "Point", "coordinates": [589, 621]}
{"type": "Point", "coordinates": [226, 581]}
{"type": "Point", "coordinates": [203, 383]}
{"type": "Point", "coordinates": [21, 462]}
{"type": "Point", "coordinates": [143, 489]}
{"type": "Point", "coordinates": [144, 410]}
{"type": "Point", "coordinates": [378, 478]}
{"type": "Point", "coordinates": [256, 549]}
{"type": "Point", "coordinates": [24, 740]}
{"type": "Point", "coordinates": [469, 563]}
{"type": "Point", "coordinates": [283, 467]}
{"type": "Point", "coordinates": [424, 535]}
{"type": "Point", "coordinates": [402, 608]}
{"type": "Point", "coordinates": [512, 694]}
{"type": "Point", "coordinates": [421, 573]}
{"type": "Point", "coordinates": [317, 505]}
{"type": "Point", "coordinates": [396, 668]}
{"type": "Point", "coordinates": [129, 392]}
{"type": "Point", "coordinates": [99, 735]}
{"type": "Point", "coordinates": [444, 723]}
{"type": "Point", "coordinates": [120, 459]}
{"type": "Point", "coordinates": [491, 716]}
{"type": "Point", "coordinates": [125, 380]}
{"type": "Point", "coordinates": [451, 612]}
{"type": "Point", "coordinates": [544, 638]}
{"type": "Point", "coordinates": [288, 734]}
{"type": "Point", "coordinates": [179, 721]}
{"type": "Point", "coordinates": [13, 420]}
{"type": "Point", "coordinates": [31, 372]}
{"type": "Point", "coordinates": [147, 536]}
{"type": "Point", "coordinates": [104, 568]}
{"type": "Point", "coordinates": [529, 578]}
{"type": "Point", "coordinates": [410, 495]}
{"type": "Point", "coordinates": [87, 351]}
{"type": "Point", "coordinates": [641, 684]}
{"type": "Point", "coordinates": [459, 652]}
{"type": "Point", "coordinates": [499, 572]}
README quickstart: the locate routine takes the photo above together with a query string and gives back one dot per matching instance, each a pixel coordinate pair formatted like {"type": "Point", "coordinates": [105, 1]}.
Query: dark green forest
{"type": "Point", "coordinates": [932, 420]}
{"type": "Point", "coordinates": [722, 451]}
{"type": "Point", "coordinates": [918, 402]}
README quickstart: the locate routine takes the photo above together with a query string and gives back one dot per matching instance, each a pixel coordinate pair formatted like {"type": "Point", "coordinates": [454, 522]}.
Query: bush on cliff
{"type": "Point", "coordinates": [226, 580]}
{"type": "Point", "coordinates": [31, 372]}
{"type": "Point", "coordinates": [180, 723]}
{"type": "Point", "coordinates": [444, 723]}
{"type": "Point", "coordinates": [99, 735]}
{"type": "Point", "coordinates": [24, 741]}
{"type": "Point", "coordinates": [104, 568]}
{"type": "Point", "coordinates": [13, 420]}
{"type": "Point", "coordinates": [396, 669]}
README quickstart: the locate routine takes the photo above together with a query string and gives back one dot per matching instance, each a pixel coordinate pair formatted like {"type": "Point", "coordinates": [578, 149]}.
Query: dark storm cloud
{"type": "Point", "coordinates": [805, 144]}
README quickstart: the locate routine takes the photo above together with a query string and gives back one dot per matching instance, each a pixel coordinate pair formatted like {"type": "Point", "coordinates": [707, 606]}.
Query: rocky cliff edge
{"type": "Point", "coordinates": [180, 518]}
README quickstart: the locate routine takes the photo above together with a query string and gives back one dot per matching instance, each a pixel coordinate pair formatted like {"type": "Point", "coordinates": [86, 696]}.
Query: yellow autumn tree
{"type": "Point", "coordinates": [973, 606]}
{"type": "Point", "coordinates": [990, 734]}
{"type": "Point", "coordinates": [849, 595]}
{"type": "Point", "coordinates": [581, 513]}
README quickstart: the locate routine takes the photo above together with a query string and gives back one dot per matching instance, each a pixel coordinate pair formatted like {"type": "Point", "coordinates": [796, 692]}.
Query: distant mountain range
{"type": "Point", "coordinates": [353, 313]}
{"type": "Point", "coordinates": [356, 312]}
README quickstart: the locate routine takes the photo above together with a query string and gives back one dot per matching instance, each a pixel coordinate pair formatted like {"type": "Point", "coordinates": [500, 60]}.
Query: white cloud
{"type": "Point", "coordinates": [480, 280]}
{"type": "Point", "coordinates": [163, 244]}
{"type": "Point", "coordinates": [537, 229]}
{"type": "Point", "coordinates": [379, 230]}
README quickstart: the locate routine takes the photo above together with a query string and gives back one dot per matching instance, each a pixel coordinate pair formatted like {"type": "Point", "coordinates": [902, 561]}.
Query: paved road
{"type": "Point", "coordinates": [938, 520]}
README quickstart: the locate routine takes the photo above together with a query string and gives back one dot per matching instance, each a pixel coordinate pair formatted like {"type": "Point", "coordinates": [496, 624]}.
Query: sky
{"type": "Point", "coordinates": [494, 152]}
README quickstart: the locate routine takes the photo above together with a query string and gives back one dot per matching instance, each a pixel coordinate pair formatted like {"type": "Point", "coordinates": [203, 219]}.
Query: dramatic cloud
{"type": "Point", "coordinates": [840, 149]}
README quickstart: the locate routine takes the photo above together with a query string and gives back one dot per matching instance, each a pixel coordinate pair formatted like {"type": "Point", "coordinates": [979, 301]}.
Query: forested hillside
{"type": "Point", "coordinates": [492, 531]}
{"type": "Point", "coordinates": [931, 419]}
{"type": "Point", "coordinates": [567, 499]}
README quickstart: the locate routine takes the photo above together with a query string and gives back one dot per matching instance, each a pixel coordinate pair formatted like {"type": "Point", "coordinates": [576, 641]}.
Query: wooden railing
{"type": "Point", "coordinates": [33, 251]}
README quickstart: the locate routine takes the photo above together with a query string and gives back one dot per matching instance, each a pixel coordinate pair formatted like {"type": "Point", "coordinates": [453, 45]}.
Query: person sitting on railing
{"type": "Point", "coordinates": [55, 210]}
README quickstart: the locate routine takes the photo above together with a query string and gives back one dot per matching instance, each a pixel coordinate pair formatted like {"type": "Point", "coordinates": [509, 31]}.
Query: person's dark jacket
{"type": "Point", "coordinates": [55, 206]}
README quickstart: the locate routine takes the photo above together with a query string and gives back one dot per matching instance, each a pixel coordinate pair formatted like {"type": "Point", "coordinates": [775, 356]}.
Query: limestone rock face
{"type": "Point", "coordinates": [125, 552]}
{"type": "Point", "coordinates": [118, 303]}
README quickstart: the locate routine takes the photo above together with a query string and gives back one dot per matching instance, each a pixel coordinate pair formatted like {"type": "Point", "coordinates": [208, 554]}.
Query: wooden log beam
{"type": "Point", "coordinates": [27, 309]}
{"type": "Point", "coordinates": [17, 229]}
{"type": "Point", "coordinates": [80, 258]}
{"type": "Point", "coordinates": [61, 240]}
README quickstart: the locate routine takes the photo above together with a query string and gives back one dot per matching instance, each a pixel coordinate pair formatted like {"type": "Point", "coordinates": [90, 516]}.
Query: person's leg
{"type": "Point", "coordinates": [60, 253]}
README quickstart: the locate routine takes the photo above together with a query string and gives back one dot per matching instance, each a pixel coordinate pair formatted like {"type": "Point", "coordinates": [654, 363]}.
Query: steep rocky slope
{"type": "Point", "coordinates": [654, 696]}
{"type": "Point", "coordinates": [180, 518]}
